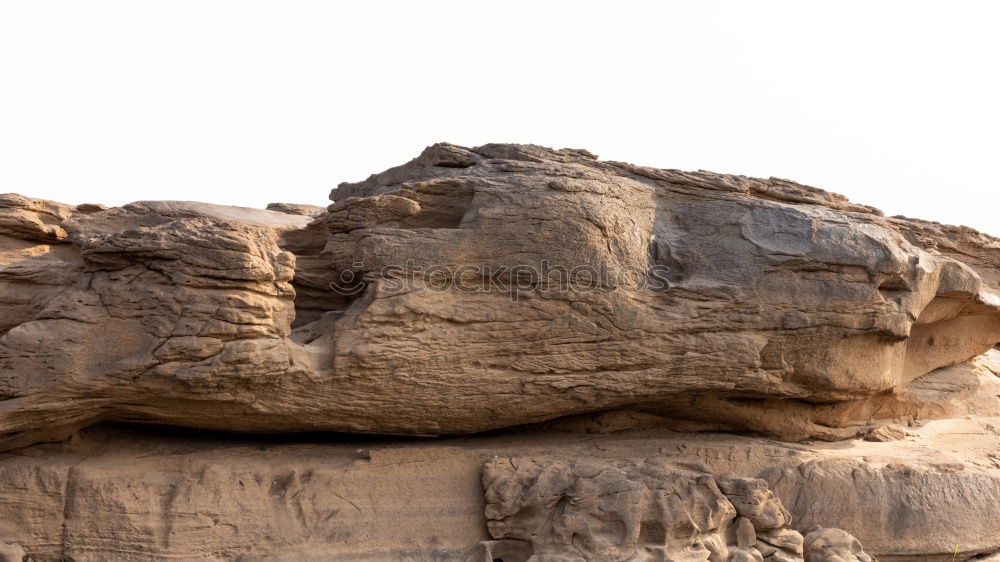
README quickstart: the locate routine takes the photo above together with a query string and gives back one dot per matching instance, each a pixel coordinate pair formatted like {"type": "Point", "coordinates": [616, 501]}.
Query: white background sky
{"type": "Point", "coordinates": [895, 104]}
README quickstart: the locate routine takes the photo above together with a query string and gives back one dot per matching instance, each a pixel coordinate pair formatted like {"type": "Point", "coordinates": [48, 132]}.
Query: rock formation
{"type": "Point", "coordinates": [587, 510]}
{"type": "Point", "coordinates": [483, 289]}
{"type": "Point", "coordinates": [653, 509]}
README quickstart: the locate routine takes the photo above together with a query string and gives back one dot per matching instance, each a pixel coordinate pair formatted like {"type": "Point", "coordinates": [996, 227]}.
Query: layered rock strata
{"type": "Point", "coordinates": [474, 289]}
{"type": "Point", "coordinates": [670, 365]}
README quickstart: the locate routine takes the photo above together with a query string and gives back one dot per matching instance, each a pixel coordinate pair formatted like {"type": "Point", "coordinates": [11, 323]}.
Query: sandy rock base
{"type": "Point", "coordinates": [126, 493]}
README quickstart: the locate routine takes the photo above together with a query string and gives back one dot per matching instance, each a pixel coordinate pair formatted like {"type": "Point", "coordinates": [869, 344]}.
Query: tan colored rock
{"type": "Point", "coordinates": [886, 433]}
{"type": "Point", "coordinates": [593, 509]}
{"type": "Point", "coordinates": [964, 389]}
{"type": "Point", "coordinates": [631, 314]}
{"type": "Point", "coordinates": [743, 534]}
{"type": "Point", "coordinates": [178, 494]}
{"type": "Point", "coordinates": [781, 556]}
{"type": "Point", "coordinates": [740, 555]}
{"type": "Point", "coordinates": [833, 545]}
{"type": "Point", "coordinates": [32, 219]}
{"type": "Point", "coordinates": [765, 549]}
{"type": "Point", "coordinates": [296, 209]}
{"type": "Point", "coordinates": [155, 307]}
{"type": "Point", "coordinates": [710, 296]}
{"type": "Point", "coordinates": [785, 539]}
{"type": "Point", "coordinates": [11, 552]}
{"type": "Point", "coordinates": [755, 502]}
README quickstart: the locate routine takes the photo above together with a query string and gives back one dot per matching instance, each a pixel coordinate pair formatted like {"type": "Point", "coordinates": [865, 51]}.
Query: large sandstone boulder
{"type": "Point", "coordinates": [473, 289]}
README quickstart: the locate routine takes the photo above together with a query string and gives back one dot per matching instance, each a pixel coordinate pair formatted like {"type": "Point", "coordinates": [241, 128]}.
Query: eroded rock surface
{"type": "Point", "coordinates": [628, 314]}
{"type": "Point", "coordinates": [473, 289]}
{"type": "Point", "coordinates": [833, 545]}
{"type": "Point", "coordinates": [114, 493]}
{"type": "Point", "coordinates": [593, 509]}
{"type": "Point", "coordinates": [144, 311]}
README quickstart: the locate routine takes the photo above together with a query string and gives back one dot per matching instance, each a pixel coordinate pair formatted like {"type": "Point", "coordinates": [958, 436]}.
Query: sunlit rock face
{"type": "Point", "coordinates": [643, 510]}
{"type": "Point", "coordinates": [473, 289]}
{"type": "Point", "coordinates": [635, 339]}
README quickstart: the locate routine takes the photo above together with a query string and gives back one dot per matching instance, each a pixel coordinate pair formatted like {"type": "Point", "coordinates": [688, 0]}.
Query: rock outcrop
{"type": "Point", "coordinates": [652, 509]}
{"type": "Point", "coordinates": [674, 366]}
{"type": "Point", "coordinates": [593, 509]}
{"type": "Point", "coordinates": [127, 493]}
{"type": "Point", "coordinates": [474, 289]}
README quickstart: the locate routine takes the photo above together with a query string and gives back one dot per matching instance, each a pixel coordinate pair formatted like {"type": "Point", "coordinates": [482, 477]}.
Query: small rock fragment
{"type": "Point", "coordinates": [833, 545]}
{"type": "Point", "coordinates": [786, 539]}
{"type": "Point", "coordinates": [885, 433]}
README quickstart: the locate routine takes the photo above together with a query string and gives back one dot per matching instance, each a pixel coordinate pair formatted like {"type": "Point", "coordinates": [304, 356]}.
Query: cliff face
{"type": "Point", "coordinates": [481, 289]}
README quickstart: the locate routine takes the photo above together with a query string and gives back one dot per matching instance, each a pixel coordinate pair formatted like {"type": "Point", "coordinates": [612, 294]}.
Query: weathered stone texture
{"type": "Point", "coordinates": [627, 314]}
